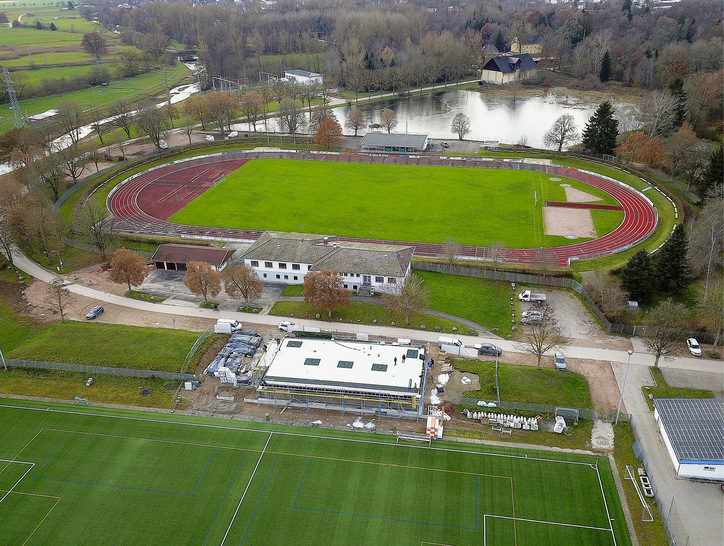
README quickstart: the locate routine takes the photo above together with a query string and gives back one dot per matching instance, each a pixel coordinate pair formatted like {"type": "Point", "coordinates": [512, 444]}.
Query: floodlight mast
{"type": "Point", "coordinates": [623, 387]}
{"type": "Point", "coordinates": [20, 119]}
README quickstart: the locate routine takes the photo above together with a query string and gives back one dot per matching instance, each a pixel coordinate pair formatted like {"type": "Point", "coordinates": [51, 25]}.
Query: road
{"type": "Point", "coordinates": [700, 505]}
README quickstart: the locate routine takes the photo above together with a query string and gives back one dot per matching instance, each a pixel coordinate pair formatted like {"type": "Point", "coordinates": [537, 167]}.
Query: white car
{"type": "Point", "coordinates": [694, 347]}
{"type": "Point", "coordinates": [560, 361]}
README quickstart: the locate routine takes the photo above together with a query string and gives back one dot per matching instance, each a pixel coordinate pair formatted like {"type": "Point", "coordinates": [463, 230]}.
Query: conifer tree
{"type": "Point", "coordinates": [605, 73]}
{"type": "Point", "coordinates": [639, 277]}
{"type": "Point", "coordinates": [673, 270]}
{"type": "Point", "coordinates": [601, 131]}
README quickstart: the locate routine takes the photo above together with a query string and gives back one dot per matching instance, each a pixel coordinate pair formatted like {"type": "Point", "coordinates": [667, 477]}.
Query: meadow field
{"type": "Point", "coordinates": [72, 474]}
{"type": "Point", "coordinates": [390, 202]}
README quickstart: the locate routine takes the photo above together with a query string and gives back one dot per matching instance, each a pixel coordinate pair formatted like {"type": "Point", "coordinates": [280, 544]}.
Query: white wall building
{"type": "Point", "coordinates": [287, 257]}
{"type": "Point", "coordinates": [303, 77]}
{"type": "Point", "coordinates": [693, 433]}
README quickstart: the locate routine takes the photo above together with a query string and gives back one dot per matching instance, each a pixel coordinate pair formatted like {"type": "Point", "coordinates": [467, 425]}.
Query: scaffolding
{"type": "Point", "coordinates": [361, 402]}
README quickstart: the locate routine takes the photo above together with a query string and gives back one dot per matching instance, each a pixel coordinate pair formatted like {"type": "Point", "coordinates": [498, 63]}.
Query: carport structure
{"type": "Point", "coordinates": [175, 257]}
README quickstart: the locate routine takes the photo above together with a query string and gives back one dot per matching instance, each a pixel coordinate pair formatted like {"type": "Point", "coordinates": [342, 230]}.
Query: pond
{"type": "Point", "coordinates": [521, 121]}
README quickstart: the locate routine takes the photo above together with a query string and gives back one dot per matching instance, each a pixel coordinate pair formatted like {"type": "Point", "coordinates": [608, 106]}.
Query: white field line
{"type": "Point", "coordinates": [605, 502]}
{"type": "Point", "coordinates": [245, 490]}
{"type": "Point", "coordinates": [296, 434]}
{"type": "Point", "coordinates": [19, 479]}
{"type": "Point", "coordinates": [485, 533]}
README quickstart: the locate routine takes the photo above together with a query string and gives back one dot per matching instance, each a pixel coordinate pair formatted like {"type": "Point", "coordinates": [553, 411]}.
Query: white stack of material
{"type": "Point", "coordinates": [442, 379]}
{"type": "Point", "coordinates": [434, 398]}
{"type": "Point", "coordinates": [358, 423]}
{"type": "Point", "coordinates": [465, 380]}
{"type": "Point", "coordinates": [370, 426]}
{"type": "Point", "coordinates": [226, 375]}
{"type": "Point", "coordinates": [560, 424]}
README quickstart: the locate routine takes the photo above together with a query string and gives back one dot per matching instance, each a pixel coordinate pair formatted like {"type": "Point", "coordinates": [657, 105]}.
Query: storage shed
{"type": "Point", "coordinates": [175, 257]}
{"type": "Point", "coordinates": [693, 433]}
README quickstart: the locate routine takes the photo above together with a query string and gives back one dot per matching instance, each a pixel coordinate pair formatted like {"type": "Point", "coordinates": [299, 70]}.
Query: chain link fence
{"type": "Point", "coordinates": [104, 370]}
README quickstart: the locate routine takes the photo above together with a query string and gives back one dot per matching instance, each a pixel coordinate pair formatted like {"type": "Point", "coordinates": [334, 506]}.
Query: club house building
{"type": "Point", "coordinates": [360, 376]}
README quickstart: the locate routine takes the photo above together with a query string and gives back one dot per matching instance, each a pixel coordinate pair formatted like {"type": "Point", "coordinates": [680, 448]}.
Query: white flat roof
{"type": "Point", "coordinates": [347, 365]}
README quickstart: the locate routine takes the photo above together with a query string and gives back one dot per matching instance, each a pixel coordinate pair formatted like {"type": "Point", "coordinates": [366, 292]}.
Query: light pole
{"type": "Point", "coordinates": [623, 388]}
{"type": "Point", "coordinates": [60, 260]}
{"type": "Point", "coordinates": [3, 359]}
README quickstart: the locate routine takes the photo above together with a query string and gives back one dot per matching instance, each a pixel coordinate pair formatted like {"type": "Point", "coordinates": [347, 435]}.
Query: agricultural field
{"type": "Point", "coordinates": [82, 474]}
{"type": "Point", "coordinates": [390, 202]}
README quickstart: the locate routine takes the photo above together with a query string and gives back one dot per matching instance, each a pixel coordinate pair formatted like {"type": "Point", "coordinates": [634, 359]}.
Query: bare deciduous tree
{"type": "Point", "coordinates": [128, 267]}
{"type": "Point", "coordinates": [91, 227]}
{"type": "Point", "coordinates": [355, 120]}
{"type": "Point", "coordinates": [665, 327]}
{"type": "Point", "coordinates": [388, 119]}
{"type": "Point", "coordinates": [325, 290]}
{"type": "Point", "coordinates": [153, 122]}
{"type": "Point", "coordinates": [658, 113]}
{"type": "Point", "coordinates": [706, 241]}
{"type": "Point", "coordinates": [202, 279]}
{"type": "Point", "coordinates": [544, 336]}
{"type": "Point", "coordinates": [242, 280]}
{"type": "Point", "coordinates": [562, 133]}
{"type": "Point", "coordinates": [410, 297]}
{"type": "Point", "coordinates": [710, 310]}
{"type": "Point", "coordinates": [59, 297]}
{"type": "Point", "coordinates": [460, 125]}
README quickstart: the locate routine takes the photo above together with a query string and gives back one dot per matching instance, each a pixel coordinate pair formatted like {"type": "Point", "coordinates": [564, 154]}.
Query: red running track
{"type": "Point", "coordinates": [142, 204]}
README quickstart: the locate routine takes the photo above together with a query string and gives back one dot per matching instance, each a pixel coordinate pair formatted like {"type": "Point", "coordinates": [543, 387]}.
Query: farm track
{"type": "Point", "coordinates": [141, 204]}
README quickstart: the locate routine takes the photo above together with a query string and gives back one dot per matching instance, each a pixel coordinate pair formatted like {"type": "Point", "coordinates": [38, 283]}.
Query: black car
{"type": "Point", "coordinates": [488, 349]}
{"type": "Point", "coordinates": [95, 312]}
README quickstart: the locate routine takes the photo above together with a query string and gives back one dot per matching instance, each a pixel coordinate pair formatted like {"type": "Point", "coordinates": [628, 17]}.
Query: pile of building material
{"type": "Point", "coordinates": [509, 421]}
{"type": "Point", "coordinates": [232, 364]}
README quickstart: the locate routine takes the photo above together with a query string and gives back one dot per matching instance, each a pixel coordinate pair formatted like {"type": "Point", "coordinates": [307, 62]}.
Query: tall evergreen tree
{"type": "Point", "coordinates": [677, 91]}
{"type": "Point", "coordinates": [713, 176]}
{"type": "Point", "coordinates": [499, 42]}
{"type": "Point", "coordinates": [673, 270]}
{"type": "Point", "coordinates": [601, 131]}
{"type": "Point", "coordinates": [605, 73]}
{"type": "Point", "coordinates": [639, 277]}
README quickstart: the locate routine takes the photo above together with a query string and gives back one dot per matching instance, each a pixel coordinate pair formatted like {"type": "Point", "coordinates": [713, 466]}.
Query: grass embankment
{"type": "Point", "coordinates": [107, 345]}
{"type": "Point", "coordinates": [663, 390]}
{"type": "Point", "coordinates": [389, 202]}
{"type": "Point", "coordinates": [106, 389]}
{"type": "Point", "coordinates": [365, 313]}
{"type": "Point", "coordinates": [483, 301]}
{"type": "Point", "coordinates": [528, 384]}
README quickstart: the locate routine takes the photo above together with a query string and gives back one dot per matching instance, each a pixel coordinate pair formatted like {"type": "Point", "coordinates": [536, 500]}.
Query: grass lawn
{"type": "Point", "coordinates": [365, 313]}
{"type": "Point", "coordinates": [268, 484]}
{"type": "Point", "coordinates": [484, 302]}
{"type": "Point", "coordinates": [49, 58]}
{"type": "Point", "coordinates": [391, 202]}
{"type": "Point", "coordinates": [23, 37]}
{"type": "Point", "coordinates": [132, 89]}
{"type": "Point", "coordinates": [107, 345]}
{"type": "Point", "coordinates": [528, 384]}
{"type": "Point", "coordinates": [649, 533]}
{"type": "Point", "coordinates": [663, 390]}
{"type": "Point", "coordinates": [106, 389]}
{"type": "Point", "coordinates": [293, 290]}
{"type": "Point", "coordinates": [36, 76]}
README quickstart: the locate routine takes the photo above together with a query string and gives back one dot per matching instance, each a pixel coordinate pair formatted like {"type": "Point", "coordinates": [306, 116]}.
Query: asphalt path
{"type": "Point", "coordinates": [700, 505]}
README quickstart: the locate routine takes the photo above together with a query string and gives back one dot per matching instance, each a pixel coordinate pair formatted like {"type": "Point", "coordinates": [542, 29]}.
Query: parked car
{"type": "Point", "coordinates": [532, 313]}
{"type": "Point", "coordinates": [95, 312]}
{"type": "Point", "coordinates": [488, 349]}
{"type": "Point", "coordinates": [560, 361]}
{"type": "Point", "coordinates": [533, 320]}
{"type": "Point", "coordinates": [694, 347]}
{"type": "Point", "coordinates": [445, 145]}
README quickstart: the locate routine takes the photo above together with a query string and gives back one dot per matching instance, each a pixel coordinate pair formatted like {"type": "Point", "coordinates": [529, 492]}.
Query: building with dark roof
{"type": "Point", "coordinates": [392, 142]}
{"type": "Point", "coordinates": [509, 68]}
{"type": "Point", "coordinates": [175, 257]}
{"type": "Point", "coordinates": [287, 257]}
{"type": "Point", "coordinates": [693, 433]}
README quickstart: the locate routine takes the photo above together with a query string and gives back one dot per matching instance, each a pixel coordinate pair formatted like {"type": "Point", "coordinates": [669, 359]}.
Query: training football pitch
{"type": "Point", "coordinates": [390, 202]}
{"type": "Point", "coordinates": [71, 475]}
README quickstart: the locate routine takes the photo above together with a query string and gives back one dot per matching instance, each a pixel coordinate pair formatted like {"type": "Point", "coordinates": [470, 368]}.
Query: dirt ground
{"type": "Point", "coordinates": [569, 223]}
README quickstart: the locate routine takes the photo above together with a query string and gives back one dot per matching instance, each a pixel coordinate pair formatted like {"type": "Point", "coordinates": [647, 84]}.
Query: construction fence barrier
{"type": "Point", "coordinates": [103, 370]}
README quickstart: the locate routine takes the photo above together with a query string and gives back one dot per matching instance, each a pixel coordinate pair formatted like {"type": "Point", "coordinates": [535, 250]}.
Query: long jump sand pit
{"type": "Point", "coordinates": [568, 222]}
{"type": "Point", "coordinates": [578, 196]}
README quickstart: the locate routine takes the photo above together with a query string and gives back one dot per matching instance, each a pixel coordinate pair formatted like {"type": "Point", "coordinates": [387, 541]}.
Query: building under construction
{"type": "Point", "coordinates": [358, 376]}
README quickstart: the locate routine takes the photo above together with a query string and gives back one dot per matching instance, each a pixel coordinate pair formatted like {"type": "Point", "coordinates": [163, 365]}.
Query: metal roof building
{"type": "Point", "coordinates": [379, 378]}
{"type": "Point", "coordinates": [175, 257]}
{"type": "Point", "coordinates": [392, 142]}
{"type": "Point", "coordinates": [693, 433]}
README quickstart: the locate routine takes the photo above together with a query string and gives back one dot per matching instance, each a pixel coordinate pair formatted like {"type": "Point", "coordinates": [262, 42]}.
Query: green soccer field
{"type": "Point", "coordinates": [390, 202]}
{"type": "Point", "coordinates": [71, 475]}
